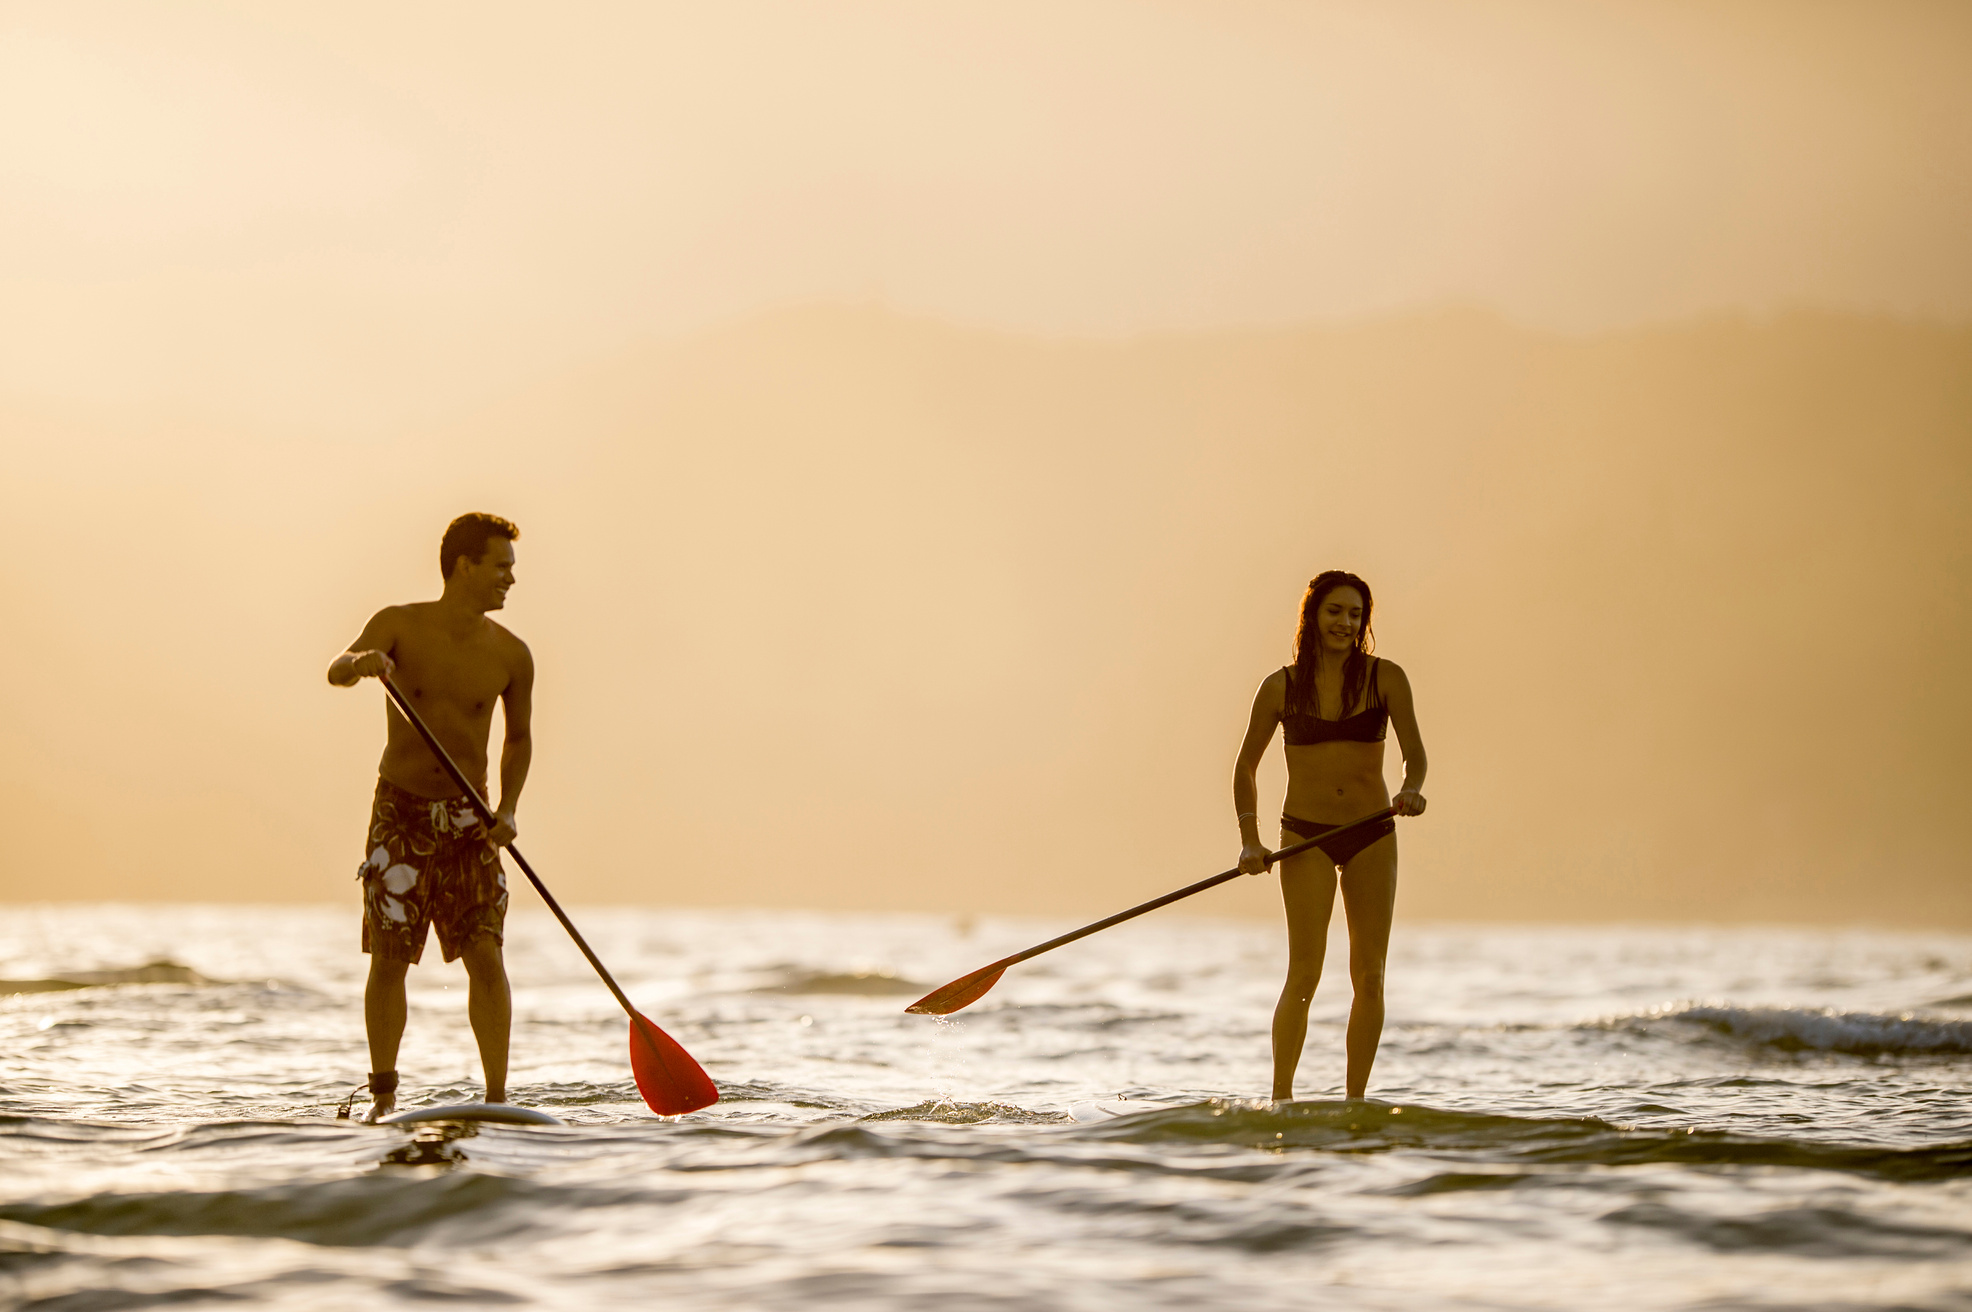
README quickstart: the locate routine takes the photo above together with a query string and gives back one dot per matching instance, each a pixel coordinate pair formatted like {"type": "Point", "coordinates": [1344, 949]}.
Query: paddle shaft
{"type": "Point", "coordinates": [490, 819]}
{"type": "Point", "coordinates": [1186, 891]}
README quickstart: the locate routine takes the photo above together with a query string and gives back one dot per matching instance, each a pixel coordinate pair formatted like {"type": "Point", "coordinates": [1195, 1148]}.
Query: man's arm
{"type": "Point", "coordinates": [369, 656]}
{"type": "Point", "coordinates": [517, 752]}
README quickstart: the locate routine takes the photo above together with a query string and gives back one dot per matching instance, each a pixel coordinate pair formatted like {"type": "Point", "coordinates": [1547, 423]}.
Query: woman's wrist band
{"type": "Point", "coordinates": [1247, 815]}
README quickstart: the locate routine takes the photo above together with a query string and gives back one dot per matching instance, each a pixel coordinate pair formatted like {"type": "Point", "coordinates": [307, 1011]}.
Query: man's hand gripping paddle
{"type": "Point", "coordinates": [968, 989]}
{"type": "Point", "coordinates": [671, 1082]}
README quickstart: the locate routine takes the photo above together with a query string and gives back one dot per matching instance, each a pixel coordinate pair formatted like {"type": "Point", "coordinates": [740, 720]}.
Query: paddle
{"type": "Point", "coordinates": [671, 1082]}
{"type": "Point", "coordinates": [968, 989]}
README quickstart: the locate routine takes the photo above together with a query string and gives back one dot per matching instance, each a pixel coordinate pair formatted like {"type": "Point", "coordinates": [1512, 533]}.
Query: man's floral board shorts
{"type": "Point", "coordinates": [429, 866]}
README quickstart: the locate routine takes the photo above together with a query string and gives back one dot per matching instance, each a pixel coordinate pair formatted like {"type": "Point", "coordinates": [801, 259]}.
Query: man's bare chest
{"type": "Point", "coordinates": [468, 675]}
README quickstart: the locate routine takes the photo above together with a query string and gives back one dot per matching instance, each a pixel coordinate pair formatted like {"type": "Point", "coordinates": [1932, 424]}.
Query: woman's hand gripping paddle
{"type": "Point", "coordinates": [968, 989]}
{"type": "Point", "coordinates": [671, 1082]}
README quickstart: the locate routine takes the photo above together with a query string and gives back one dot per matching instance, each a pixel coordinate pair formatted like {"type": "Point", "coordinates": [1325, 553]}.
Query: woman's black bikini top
{"type": "Point", "coordinates": [1304, 727]}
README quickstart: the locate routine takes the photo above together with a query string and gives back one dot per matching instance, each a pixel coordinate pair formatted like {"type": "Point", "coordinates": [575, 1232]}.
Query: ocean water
{"type": "Point", "coordinates": [1567, 1118]}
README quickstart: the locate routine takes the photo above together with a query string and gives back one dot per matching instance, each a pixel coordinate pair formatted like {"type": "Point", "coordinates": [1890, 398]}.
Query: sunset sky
{"type": "Point", "coordinates": [922, 417]}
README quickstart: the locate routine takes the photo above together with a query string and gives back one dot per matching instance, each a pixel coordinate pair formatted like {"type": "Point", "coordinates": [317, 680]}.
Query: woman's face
{"type": "Point", "coordinates": [1339, 618]}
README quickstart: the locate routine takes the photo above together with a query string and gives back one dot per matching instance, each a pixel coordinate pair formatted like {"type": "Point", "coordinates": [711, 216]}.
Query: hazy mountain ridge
{"type": "Point", "coordinates": [841, 608]}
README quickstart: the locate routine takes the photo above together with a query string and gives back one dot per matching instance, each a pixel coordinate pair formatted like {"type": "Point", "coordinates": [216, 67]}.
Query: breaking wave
{"type": "Point", "coordinates": [1793, 1029]}
{"type": "Point", "coordinates": [1376, 1127]}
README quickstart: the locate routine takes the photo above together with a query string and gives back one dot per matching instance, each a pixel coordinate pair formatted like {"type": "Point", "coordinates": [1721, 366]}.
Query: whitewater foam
{"type": "Point", "coordinates": [1798, 1029]}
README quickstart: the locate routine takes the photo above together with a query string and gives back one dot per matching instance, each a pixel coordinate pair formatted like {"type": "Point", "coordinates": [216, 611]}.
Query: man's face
{"type": "Point", "coordinates": [485, 581]}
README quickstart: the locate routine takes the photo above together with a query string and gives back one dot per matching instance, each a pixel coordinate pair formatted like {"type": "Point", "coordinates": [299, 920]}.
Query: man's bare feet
{"type": "Point", "coordinates": [383, 1091]}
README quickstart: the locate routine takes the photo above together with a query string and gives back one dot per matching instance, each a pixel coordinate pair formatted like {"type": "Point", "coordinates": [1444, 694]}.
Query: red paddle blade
{"type": "Point", "coordinates": [961, 992]}
{"type": "Point", "coordinates": [671, 1082]}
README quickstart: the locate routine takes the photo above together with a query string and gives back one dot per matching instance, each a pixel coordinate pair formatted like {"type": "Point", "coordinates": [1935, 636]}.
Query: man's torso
{"type": "Point", "coordinates": [453, 680]}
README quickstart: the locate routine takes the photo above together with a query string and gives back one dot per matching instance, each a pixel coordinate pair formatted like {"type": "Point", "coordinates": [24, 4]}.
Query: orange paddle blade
{"type": "Point", "coordinates": [961, 992]}
{"type": "Point", "coordinates": [671, 1082]}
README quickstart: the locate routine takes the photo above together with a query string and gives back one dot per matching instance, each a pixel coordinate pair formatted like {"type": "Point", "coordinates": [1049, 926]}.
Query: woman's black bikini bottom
{"type": "Point", "coordinates": [1339, 850]}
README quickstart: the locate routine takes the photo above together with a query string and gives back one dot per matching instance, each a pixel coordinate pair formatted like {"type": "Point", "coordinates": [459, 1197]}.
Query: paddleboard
{"type": "Point", "coordinates": [1112, 1108]}
{"type": "Point", "coordinates": [499, 1113]}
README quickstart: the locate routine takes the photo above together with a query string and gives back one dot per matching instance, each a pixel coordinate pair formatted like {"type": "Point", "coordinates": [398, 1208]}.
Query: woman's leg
{"type": "Point", "coordinates": [1369, 899]}
{"type": "Point", "coordinates": [1307, 890]}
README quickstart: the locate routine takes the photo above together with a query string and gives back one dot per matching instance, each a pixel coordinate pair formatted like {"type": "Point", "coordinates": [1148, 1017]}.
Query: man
{"type": "Point", "coordinates": [430, 860]}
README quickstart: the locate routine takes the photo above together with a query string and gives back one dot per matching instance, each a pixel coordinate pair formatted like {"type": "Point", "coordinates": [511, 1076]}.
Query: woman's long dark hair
{"type": "Point", "coordinates": [1307, 645]}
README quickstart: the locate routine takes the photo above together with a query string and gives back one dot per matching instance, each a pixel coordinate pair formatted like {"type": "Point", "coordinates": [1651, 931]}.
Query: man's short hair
{"type": "Point", "coordinates": [468, 535]}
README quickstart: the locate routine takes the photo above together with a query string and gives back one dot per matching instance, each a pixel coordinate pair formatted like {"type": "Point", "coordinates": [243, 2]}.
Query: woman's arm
{"type": "Point", "coordinates": [1403, 718]}
{"type": "Point", "coordinates": [1267, 704]}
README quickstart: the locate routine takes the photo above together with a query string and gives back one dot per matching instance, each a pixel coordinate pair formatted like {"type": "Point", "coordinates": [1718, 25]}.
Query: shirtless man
{"type": "Point", "coordinates": [430, 860]}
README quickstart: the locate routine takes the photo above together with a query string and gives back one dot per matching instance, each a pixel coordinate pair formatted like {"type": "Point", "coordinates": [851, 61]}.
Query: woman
{"type": "Point", "coordinates": [1333, 705]}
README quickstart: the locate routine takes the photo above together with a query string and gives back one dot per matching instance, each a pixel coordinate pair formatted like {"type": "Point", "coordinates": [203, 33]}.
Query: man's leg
{"type": "Point", "coordinates": [489, 1003]}
{"type": "Point", "coordinates": [383, 1018]}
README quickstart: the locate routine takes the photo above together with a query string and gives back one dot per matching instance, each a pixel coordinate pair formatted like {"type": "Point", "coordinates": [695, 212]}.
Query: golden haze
{"type": "Point", "coordinates": [840, 608]}
{"type": "Point", "coordinates": [838, 604]}
{"type": "Point", "coordinates": [360, 219]}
